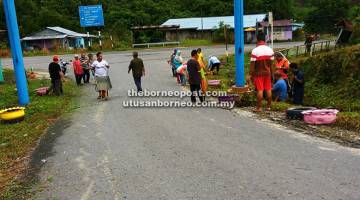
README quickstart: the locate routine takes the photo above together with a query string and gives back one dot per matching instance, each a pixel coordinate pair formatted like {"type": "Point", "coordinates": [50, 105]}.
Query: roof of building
{"type": "Point", "coordinates": [56, 33]}
{"type": "Point", "coordinates": [284, 22]}
{"type": "Point", "coordinates": [298, 24]}
{"type": "Point", "coordinates": [209, 23]}
{"type": "Point", "coordinates": [161, 27]}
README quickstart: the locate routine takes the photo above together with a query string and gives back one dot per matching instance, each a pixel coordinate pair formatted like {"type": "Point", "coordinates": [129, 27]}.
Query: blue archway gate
{"type": "Point", "coordinates": [16, 51]}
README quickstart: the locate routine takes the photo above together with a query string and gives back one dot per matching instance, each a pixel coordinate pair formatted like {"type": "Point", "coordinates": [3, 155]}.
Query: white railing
{"type": "Point", "coordinates": [148, 45]}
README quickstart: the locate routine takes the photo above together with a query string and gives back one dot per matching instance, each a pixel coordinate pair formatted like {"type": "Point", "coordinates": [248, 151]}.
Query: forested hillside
{"type": "Point", "coordinates": [120, 15]}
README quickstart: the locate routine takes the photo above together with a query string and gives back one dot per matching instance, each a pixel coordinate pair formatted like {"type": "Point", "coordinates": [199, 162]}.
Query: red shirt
{"type": "Point", "coordinates": [78, 70]}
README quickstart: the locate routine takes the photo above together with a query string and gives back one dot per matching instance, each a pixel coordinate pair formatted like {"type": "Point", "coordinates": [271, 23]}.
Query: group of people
{"type": "Point", "coordinates": [194, 75]}
{"type": "Point", "coordinates": [86, 66]}
{"type": "Point", "coordinates": [192, 71]}
{"type": "Point", "coordinates": [82, 66]}
{"type": "Point", "coordinates": [274, 81]}
{"type": "Point", "coordinates": [269, 77]}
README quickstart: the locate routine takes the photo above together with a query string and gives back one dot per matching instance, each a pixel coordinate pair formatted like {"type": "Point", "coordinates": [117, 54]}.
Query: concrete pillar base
{"type": "Point", "coordinates": [239, 90]}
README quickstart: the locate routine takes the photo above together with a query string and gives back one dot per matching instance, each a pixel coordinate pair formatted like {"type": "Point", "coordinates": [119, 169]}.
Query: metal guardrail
{"type": "Point", "coordinates": [315, 47]}
{"type": "Point", "coordinates": [156, 44]}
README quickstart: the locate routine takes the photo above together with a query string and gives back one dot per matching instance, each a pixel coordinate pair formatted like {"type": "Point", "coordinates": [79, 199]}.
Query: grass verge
{"type": "Point", "coordinates": [17, 140]}
{"type": "Point", "coordinates": [318, 93]}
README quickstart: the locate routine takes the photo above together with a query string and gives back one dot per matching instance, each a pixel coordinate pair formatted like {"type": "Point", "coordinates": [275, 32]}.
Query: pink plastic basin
{"type": "Point", "coordinates": [214, 82]}
{"type": "Point", "coordinates": [42, 91]}
{"type": "Point", "coordinates": [320, 116]}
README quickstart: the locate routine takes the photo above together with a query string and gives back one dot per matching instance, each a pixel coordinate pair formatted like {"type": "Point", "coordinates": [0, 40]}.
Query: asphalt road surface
{"type": "Point", "coordinates": [41, 63]}
{"type": "Point", "coordinates": [105, 151]}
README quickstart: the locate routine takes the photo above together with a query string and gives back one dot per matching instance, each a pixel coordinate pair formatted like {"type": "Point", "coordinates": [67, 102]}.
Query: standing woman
{"type": "Point", "coordinates": [178, 62]}
{"type": "Point", "coordinates": [90, 62]}
{"type": "Point", "coordinates": [85, 65]}
{"type": "Point", "coordinates": [78, 70]}
{"type": "Point", "coordinates": [201, 61]}
{"type": "Point", "coordinates": [103, 84]}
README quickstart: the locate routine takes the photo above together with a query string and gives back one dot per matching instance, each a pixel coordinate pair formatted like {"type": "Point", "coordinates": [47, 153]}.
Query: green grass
{"type": "Point", "coordinates": [16, 140]}
{"type": "Point", "coordinates": [227, 72]}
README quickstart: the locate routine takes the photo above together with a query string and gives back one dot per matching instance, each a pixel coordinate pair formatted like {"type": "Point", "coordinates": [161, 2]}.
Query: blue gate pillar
{"type": "Point", "coordinates": [16, 51]}
{"type": "Point", "coordinates": [239, 42]}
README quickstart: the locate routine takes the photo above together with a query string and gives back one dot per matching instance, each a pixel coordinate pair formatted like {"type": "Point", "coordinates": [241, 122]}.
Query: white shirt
{"type": "Point", "coordinates": [101, 68]}
{"type": "Point", "coordinates": [213, 60]}
{"type": "Point", "coordinates": [262, 52]}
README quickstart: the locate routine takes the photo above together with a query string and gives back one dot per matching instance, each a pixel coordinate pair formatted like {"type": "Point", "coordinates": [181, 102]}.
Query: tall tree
{"type": "Point", "coordinates": [325, 15]}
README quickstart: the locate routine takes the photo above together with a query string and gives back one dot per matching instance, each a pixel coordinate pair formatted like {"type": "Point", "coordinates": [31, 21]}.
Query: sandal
{"type": "Point", "coordinates": [257, 111]}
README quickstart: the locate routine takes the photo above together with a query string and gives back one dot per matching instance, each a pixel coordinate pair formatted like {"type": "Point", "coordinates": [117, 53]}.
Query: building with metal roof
{"type": "Point", "coordinates": [204, 27]}
{"type": "Point", "coordinates": [56, 37]}
{"type": "Point", "coordinates": [283, 29]}
{"type": "Point", "coordinates": [211, 23]}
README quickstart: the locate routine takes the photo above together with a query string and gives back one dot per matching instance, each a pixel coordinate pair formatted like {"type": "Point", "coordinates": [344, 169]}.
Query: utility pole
{"type": "Point", "coordinates": [100, 43]}
{"type": "Point", "coordinates": [202, 24]}
{"type": "Point", "coordinates": [271, 24]}
{"type": "Point", "coordinates": [16, 51]}
{"type": "Point", "coordinates": [226, 44]}
{"type": "Point", "coordinates": [89, 43]}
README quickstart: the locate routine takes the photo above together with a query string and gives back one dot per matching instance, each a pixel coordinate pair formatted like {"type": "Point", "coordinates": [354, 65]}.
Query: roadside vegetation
{"type": "Point", "coordinates": [120, 16]}
{"type": "Point", "coordinates": [332, 81]}
{"type": "Point", "coordinates": [17, 140]}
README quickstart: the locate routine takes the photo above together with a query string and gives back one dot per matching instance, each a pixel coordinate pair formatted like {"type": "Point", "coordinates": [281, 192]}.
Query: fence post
{"type": "Point", "coordinates": [321, 46]}
{"type": "Point", "coordinates": [297, 51]}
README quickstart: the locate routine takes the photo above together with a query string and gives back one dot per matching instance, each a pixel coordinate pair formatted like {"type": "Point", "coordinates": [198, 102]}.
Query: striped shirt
{"type": "Point", "coordinates": [263, 57]}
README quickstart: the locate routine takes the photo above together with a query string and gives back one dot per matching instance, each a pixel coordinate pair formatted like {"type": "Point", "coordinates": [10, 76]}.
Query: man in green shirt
{"type": "Point", "coordinates": [138, 70]}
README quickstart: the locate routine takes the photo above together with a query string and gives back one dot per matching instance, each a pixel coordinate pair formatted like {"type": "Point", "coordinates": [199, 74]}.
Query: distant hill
{"type": "Point", "coordinates": [120, 15]}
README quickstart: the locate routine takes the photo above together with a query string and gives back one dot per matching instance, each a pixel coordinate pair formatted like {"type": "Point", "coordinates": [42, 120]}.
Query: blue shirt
{"type": "Point", "coordinates": [280, 90]}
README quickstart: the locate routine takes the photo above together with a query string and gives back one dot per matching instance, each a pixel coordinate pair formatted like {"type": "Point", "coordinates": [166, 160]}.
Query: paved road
{"type": "Point", "coordinates": [41, 63]}
{"type": "Point", "coordinates": [106, 151]}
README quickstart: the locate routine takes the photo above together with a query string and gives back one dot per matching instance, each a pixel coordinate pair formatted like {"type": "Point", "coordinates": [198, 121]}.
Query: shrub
{"type": "Point", "coordinates": [333, 79]}
{"type": "Point", "coordinates": [355, 37]}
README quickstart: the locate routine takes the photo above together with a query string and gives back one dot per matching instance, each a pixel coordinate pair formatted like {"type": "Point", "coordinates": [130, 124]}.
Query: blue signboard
{"type": "Point", "coordinates": [91, 16]}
